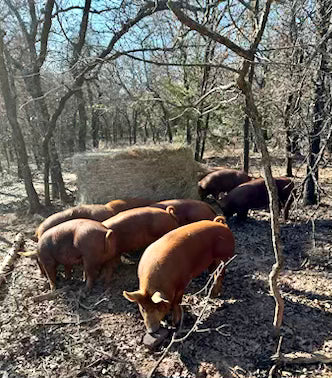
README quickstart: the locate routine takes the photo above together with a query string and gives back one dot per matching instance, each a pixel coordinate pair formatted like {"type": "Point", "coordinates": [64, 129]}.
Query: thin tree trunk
{"type": "Point", "coordinates": [82, 130]}
{"type": "Point", "coordinates": [205, 135]}
{"type": "Point", "coordinates": [246, 126]}
{"type": "Point", "coordinates": [11, 111]}
{"type": "Point", "coordinates": [273, 200]}
{"type": "Point", "coordinates": [322, 99]}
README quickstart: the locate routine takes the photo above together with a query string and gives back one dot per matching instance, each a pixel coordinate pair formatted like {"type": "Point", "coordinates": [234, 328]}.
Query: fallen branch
{"type": "Point", "coordinates": [303, 358]}
{"type": "Point", "coordinates": [8, 261]}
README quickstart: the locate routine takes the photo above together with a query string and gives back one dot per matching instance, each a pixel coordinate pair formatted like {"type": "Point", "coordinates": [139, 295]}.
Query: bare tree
{"type": "Point", "coordinates": [242, 83]}
{"type": "Point", "coordinates": [10, 104]}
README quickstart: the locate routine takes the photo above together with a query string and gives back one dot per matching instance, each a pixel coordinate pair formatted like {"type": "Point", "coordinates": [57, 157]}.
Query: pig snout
{"type": "Point", "coordinates": [151, 320]}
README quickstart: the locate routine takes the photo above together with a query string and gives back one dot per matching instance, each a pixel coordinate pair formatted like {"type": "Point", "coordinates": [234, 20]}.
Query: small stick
{"type": "Point", "coordinates": [48, 296]}
{"type": "Point", "coordinates": [69, 323]}
{"type": "Point", "coordinates": [313, 234]}
{"type": "Point", "coordinates": [7, 263]}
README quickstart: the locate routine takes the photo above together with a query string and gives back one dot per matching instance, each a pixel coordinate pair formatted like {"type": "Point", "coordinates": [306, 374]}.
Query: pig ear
{"type": "Point", "coordinates": [157, 297]}
{"type": "Point", "coordinates": [134, 296]}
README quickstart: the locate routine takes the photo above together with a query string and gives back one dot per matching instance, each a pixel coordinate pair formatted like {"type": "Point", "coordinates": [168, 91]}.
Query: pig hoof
{"type": "Point", "coordinates": [215, 293]}
{"type": "Point", "coordinates": [154, 340]}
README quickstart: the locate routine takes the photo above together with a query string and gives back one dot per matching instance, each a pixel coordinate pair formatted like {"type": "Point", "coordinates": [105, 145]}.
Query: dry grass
{"type": "Point", "coordinates": [155, 172]}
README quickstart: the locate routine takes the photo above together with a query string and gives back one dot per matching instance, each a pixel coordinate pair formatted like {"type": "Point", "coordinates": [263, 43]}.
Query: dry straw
{"type": "Point", "coordinates": [153, 172]}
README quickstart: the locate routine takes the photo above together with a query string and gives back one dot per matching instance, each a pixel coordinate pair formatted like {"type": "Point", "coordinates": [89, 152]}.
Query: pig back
{"type": "Point", "coordinates": [223, 180]}
{"type": "Point", "coordinates": [137, 228]}
{"type": "Point", "coordinates": [125, 204]}
{"type": "Point", "coordinates": [182, 254]}
{"type": "Point", "coordinates": [187, 210]}
{"type": "Point", "coordinates": [94, 212]}
{"type": "Point", "coordinates": [69, 241]}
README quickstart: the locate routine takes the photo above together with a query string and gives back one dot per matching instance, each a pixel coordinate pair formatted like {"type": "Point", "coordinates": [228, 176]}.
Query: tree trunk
{"type": "Point", "coordinates": [135, 116]}
{"type": "Point", "coordinates": [95, 116]}
{"type": "Point", "coordinates": [11, 111]}
{"type": "Point", "coordinates": [82, 131]}
{"type": "Point", "coordinates": [71, 135]}
{"type": "Point", "coordinates": [322, 99]}
{"type": "Point", "coordinates": [188, 132]}
{"type": "Point", "coordinates": [256, 121]}
{"type": "Point", "coordinates": [207, 119]}
{"type": "Point", "coordinates": [246, 126]}
{"type": "Point", "coordinates": [246, 144]}
{"type": "Point", "coordinates": [198, 138]}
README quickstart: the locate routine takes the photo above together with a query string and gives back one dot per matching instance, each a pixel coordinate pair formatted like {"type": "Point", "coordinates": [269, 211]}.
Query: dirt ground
{"type": "Point", "coordinates": [101, 335]}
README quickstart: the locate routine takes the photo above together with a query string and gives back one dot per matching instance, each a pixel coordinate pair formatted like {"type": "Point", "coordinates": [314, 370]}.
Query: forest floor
{"type": "Point", "coordinates": [101, 335]}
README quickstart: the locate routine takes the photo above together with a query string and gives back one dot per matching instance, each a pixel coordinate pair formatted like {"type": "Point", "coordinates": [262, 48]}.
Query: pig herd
{"type": "Point", "coordinates": [183, 237]}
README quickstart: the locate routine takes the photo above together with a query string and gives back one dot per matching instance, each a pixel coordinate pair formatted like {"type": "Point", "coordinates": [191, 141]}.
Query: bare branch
{"type": "Point", "coordinates": [203, 30]}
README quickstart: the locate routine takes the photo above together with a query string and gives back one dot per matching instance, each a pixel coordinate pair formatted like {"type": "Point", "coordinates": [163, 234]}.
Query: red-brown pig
{"type": "Point", "coordinates": [187, 210]}
{"type": "Point", "coordinates": [221, 181]}
{"type": "Point", "coordinates": [254, 195]}
{"type": "Point", "coordinates": [77, 241]}
{"type": "Point", "coordinates": [168, 265]}
{"type": "Point", "coordinates": [135, 229]}
{"type": "Point", "coordinates": [94, 212]}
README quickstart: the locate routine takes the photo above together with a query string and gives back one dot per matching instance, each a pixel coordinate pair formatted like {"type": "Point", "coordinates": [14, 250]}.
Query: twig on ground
{"type": "Point", "coordinates": [8, 261]}
{"type": "Point", "coordinates": [69, 323]}
{"type": "Point", "coordinates": [212, 275]}
{"type": "Point", "coordinates": [313, 234]}
{"type": "Point", "coordinates": [112, 358]}
{"type": "Point", "coordinates": [48, 296]}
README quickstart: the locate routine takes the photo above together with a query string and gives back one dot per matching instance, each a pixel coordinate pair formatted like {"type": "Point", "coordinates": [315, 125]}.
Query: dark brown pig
{"type": "Point", "coordinates": [187, 210]}
{"type": "Point", "coordinates": [94, 212]}
{"type": "Point", "coordinates": [135, 229]}
{"type": "Point", "coordinates": [168, 265]}
{"type": "Point", "coordinates": [254, 195]}
{"type": "Point", "coordinates": [221, 181]}
{"type": "Point", "coordinates": [77, 241]}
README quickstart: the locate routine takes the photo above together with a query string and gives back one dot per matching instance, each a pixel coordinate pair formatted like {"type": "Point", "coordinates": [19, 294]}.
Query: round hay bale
{"type": "Point", "coordinates": [156, 172]}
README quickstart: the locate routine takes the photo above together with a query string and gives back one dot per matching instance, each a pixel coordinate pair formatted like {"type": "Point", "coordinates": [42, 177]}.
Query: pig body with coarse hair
{"type": "Point", "coordinates": [254, 195]}
{"type": "Point", "coordinates": [168, 265]}
{"type": "Point", "coordinates": [94, 212]}
{"type": "Point", "coordinates": [135, 229]}
{"type": "Point", "coordinates": [221, 181]}
{"type": "Point", "coordinates": [77, 241]}
{"type": "Point", "coordinates": [188, 210]}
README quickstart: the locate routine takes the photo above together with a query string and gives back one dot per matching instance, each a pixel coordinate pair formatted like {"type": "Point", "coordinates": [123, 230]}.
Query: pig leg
{"type": "Point", "coordinates": [49, 266]}
{"type": "Point", "coordinates": [68, 271]}
{"type": "Point", "coordinates": [177, 309]}
{"type": "Point", "coordinates": [108, 269]}
{"type": "Point", "coordinates": [216, 290]}
{"type": "Point", "coordinates": [41, 268]}
{"type": "Point", "coordinates": [51, 275]}
{"type": "Point", "coordinates": [91, 273]}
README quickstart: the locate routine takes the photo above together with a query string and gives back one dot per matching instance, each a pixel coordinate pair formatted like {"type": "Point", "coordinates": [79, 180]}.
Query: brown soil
{"type": "Point", "coordinates": [100, 335]}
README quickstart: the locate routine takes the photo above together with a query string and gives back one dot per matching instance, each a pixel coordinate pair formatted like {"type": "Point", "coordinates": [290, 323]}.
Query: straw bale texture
{"type": "Point", "coordinates": [156, 172]}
